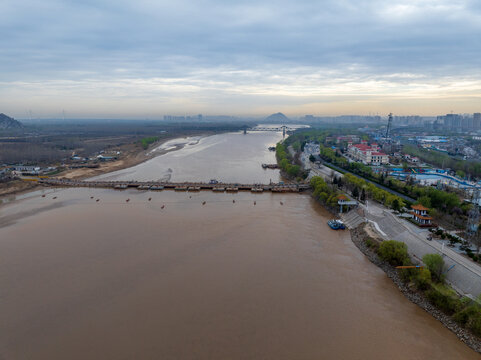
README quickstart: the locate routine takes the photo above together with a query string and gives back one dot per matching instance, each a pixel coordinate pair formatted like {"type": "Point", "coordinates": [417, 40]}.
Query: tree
{"type": "Point", "coordinates": [425, 201]}
{"type": "Point", "coordinates": [363, 195]}
{"type": "Point", "coordinates": [435, 264]}
{"type": "Point", "coordinates": [395, 205]}
{"type": "Point", "coordinates": [355, 192]}
{"type": "Point", "coordinates": [394, 252]}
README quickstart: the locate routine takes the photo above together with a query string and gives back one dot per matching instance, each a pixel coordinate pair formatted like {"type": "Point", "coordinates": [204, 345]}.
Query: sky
{"type": "Point", "coordinates": [147, 58]}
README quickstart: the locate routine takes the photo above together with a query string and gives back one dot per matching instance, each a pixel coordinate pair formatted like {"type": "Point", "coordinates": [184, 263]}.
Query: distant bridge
{"type": "Point", "coordinates": [276, 129]}
{"type": "Point", "coordinates": [178, 186]}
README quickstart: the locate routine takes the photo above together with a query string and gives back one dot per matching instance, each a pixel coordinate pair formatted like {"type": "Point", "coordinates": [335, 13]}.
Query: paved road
{"type": "Point", "coordinates": [465, 276]}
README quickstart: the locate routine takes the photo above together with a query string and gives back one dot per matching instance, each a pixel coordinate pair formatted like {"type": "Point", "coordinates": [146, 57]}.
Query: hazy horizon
{"type": "Point", "coordinates": [142, 60]}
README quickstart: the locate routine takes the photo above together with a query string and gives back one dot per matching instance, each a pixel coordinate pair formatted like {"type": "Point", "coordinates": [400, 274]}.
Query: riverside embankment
{"type": "Point", "coordinates": [86, 274]}
{"type": "Point", "coordinates": [359, 236]}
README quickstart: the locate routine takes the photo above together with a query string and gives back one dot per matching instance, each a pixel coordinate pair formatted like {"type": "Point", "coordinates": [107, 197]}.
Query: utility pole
{"type": "Point", "coordinates": [389, 125]}
{"type": "Point", "coordinates": [473, 217]}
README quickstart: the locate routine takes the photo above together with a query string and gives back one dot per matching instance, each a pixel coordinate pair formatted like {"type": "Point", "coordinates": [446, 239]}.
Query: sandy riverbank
{"type": "Point", "coordinates": [132, 154]}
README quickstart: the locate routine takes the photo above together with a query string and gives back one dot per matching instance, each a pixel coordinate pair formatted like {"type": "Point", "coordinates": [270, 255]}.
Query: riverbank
{"type": "Point", "coordinates": [132, 154]}
{"type": "Point", "coordinates": [16, 187]}
{"type": "Point", "coordinates": [359, 236]}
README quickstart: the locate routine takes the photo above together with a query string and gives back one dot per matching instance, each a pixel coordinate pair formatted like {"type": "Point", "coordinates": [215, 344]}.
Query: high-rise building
{"type": "Point", "coordinates": [453, 122]}
{"type": "Point", "coordinates": [476, 121]}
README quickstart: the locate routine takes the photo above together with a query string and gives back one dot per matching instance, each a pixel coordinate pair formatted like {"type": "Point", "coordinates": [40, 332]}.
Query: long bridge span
{"type": "Point", "coordinates": [178, 186]}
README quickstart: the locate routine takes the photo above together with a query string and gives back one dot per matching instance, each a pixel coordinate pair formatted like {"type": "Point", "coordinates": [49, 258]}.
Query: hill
{"type": "Point", "coordinates": [278, 117]}
{"type": "Point", "coordinates": [8, 123]}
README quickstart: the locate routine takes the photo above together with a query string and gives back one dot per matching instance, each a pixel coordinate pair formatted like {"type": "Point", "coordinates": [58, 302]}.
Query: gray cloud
{"type": "Point", "coordinates": [204, 48]}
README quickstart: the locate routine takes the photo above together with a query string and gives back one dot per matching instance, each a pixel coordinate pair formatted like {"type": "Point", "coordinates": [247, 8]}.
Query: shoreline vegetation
{"type": "Point", "coordinates": [423, 286]}
{"type": "Point", "coordinates": [461, 315]}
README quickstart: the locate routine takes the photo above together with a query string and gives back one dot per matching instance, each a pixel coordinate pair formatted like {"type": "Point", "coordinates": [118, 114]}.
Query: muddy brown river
{"type": "Point", "coordinates": [173, 278]}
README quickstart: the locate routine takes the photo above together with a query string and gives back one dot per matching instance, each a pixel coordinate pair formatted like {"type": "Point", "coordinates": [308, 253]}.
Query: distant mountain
{"type": "Point", "coordinates": [278, 117]}
{"type": "Point", "coordinates": [6, 122]}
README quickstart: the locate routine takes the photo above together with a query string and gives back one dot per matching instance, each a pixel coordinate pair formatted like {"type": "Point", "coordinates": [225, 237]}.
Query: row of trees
{"type": "Point", "coordinates": [284, 160]}
{"type": "Point", "coordinates": [325, 193]}
{"type": "Point", "coordinates": [146, 141]}
{"type": "Point", "coordinates": [431, 281]}
{"type": "Point", "coordinates": [353, 183]}
{"type": "Point", "coordinates": [436, 158]}
{"type": "Point", "coordinates": [442, 201]}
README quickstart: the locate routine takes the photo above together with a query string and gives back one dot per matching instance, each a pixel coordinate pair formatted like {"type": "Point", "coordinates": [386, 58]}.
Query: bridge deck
{"type": "Point", "coordinates": [179, 186]}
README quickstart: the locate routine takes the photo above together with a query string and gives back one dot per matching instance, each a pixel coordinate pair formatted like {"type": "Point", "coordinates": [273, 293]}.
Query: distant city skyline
{"type": "Point", "coordinates": [144, 59]}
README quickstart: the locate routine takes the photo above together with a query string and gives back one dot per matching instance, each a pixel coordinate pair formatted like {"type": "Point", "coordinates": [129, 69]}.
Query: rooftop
{"type": "Point", "coordinates": [419, 207]}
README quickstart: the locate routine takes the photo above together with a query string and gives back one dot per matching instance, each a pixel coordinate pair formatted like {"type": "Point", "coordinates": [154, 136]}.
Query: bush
{"type": "Point", "coordinates": [372, 244]}
{"type": "Point", "coordinates": [435, 264]}
{"type": "Point", "coordinates": [470, 317]}
{"type": "Point", "coordinates": [444, 298]}
{"type": "Point", "coordinates": [394, 252]}
{"type": "Point", "coordinates": [423, 279]}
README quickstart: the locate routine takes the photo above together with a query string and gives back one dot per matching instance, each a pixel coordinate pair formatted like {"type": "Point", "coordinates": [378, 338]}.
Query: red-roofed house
{"type": "Point", "coordinates": [421, 216]}
{"type": "Point", "coordinates": [369, 155]}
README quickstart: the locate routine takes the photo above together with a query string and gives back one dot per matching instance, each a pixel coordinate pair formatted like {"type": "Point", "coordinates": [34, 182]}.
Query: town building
{"type": "Point", "coordinates": [367, 154]}
{"type": "Point", "coordinates": [421, 216]}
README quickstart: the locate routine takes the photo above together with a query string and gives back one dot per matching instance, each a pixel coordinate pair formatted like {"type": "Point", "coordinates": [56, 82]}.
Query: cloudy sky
{"type": "Point", "coordinates": [146, 58]}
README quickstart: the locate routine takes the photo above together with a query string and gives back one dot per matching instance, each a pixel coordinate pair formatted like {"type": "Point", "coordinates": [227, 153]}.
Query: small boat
{"type": "Point", "coordinates": [97, 200]}
{"type": "Point", "coordinates": [150, 199]}
{"type": "Point", "coordinates": [336, 224]}
{"type": "Point", "coordinates": [282, 203]}
{"type": "Point", "coordinates": [254, 202]}
{"type": "Point", "coordinates": [43, 195]}
{"type": "Point", "coordinates": [203, 203]}
{"type": "Point", "coordinates": [54, 197]}
{"type": "Point", "coordinates": [218, 189]}
{"type": "Point", "coordinates": [127, 200]}
{"type": "Point", "coordinates": [91, 197]}
{"type": "Point", "coordinates": [163, 206]}
{"type": "Point", "coordinates": [233, 201]}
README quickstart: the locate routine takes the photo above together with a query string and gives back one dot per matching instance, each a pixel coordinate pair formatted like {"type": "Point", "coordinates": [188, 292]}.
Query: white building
{"type": "Point", "coordinates": [369, 155]}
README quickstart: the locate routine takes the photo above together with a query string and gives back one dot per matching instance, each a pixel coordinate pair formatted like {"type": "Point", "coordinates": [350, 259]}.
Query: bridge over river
{"type": "Point", "coordinates": [178, 186]}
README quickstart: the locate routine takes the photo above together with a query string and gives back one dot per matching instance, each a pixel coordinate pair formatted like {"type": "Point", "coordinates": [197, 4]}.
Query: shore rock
{"type": "Point", "coordinates": [358, 237]}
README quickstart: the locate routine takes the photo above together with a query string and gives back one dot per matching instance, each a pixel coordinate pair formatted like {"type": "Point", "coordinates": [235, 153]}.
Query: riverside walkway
{"type": "Point", "coordinates": [178, 186]}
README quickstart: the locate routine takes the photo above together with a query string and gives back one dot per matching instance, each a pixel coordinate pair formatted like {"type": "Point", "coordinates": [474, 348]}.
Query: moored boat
{"type": "Point", "coordinates": [336, 224]}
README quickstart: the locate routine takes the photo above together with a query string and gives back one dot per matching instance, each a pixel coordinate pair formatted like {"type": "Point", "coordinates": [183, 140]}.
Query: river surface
{"type": "Point", "coordinates": [232, 157]}
{"type": "Point", "coordinates": [172, 278]}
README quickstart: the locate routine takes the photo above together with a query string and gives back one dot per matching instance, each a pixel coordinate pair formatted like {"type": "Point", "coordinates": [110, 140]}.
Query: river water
{"type": "Point", "coordinates": [173, 278]}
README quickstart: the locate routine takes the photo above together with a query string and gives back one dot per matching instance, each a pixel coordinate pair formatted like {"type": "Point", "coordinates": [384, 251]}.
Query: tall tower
{"type": "Point", "coordinates": [389, 124]}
